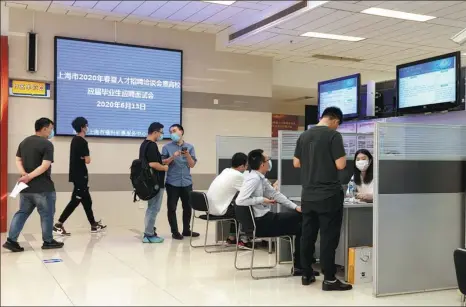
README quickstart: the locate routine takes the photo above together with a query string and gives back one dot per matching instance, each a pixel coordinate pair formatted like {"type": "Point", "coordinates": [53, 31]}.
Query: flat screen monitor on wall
{"type": "Point", "coordinates": [429, 85]}
{"type": "Point", "coordinates": [120, 89]}
{"type": "Point", "coordinates": [341, 92]}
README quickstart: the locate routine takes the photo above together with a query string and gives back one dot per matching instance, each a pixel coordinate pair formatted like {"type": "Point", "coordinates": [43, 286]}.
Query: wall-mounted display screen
{"type": "Point", "coordinates": [343, 93]}
{"type": "Point", "coordinates": [120, 89]}
{"type": "Point", "coordinates": [429, 84]}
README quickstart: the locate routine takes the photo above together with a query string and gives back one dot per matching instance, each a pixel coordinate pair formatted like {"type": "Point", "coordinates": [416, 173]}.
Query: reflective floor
{"type": "Point", "coordinates": [115, 268]}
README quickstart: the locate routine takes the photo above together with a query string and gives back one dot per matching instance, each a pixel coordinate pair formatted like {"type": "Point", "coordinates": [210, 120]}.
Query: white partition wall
{"type": "Point", "coordinates": [419, 199]}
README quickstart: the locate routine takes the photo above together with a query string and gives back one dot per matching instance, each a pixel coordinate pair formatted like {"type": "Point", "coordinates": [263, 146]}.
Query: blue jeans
{"type": "Point", "coordinates": [153, 208]}
{"type": "Point", "coordinates": [45, 203]}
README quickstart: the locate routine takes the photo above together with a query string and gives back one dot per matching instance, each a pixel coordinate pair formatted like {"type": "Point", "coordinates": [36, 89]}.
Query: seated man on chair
{"type": "Point", "coordinates": [224, 188]}
{"type": "Point", "coordinates": [259, 193]}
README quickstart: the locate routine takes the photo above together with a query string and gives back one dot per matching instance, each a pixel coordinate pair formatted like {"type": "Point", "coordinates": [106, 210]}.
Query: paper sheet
{"type": "Point", "coordinates": [17, 189]}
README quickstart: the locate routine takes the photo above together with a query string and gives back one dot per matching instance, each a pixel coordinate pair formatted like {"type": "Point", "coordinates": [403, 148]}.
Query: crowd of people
{"type": "Point", "coordinates": [319, 155]}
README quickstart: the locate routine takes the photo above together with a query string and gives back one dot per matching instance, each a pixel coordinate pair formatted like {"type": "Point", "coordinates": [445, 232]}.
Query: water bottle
{"type": "Point", "coordinates": [351, 190]}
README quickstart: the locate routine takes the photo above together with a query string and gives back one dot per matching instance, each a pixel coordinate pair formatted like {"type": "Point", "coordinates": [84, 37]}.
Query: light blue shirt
{"type": "Point", "coordinates": [179, 172]}
{"type": "Point", "coordinates": [255, 187]}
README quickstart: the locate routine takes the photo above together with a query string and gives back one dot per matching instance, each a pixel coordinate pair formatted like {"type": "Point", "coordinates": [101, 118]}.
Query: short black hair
{"type": "Point", "coordinates": [177, 126]}
{"type": "Point", "coordinates": [370, 170]}
{"type": "Point", "coordinates": [333, 113]}
{"type": "Point", "coordinates": [239, 159]}
{"type": "Point", "coordinates": [79, 123]}
{"type": "Point", "coordinates": [155, 127]}
{"type": "Point", "coordinates": [42, 123]}
{"type": "Point", "coordinates": [255, 159]}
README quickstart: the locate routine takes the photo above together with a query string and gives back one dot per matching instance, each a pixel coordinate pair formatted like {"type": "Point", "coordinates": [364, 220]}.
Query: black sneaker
{"type": "Point", "coordinates": [60, 230]}
{"type": "Point", "coordinates": [13, 246]}
{"type": "Point", "coordinates": [177, 236]}
{"type": "Point", "coordinates": [98, 227]}
{"type": "Point", "coordinates": [52, 245]}
{"type": "Point", "coordinates": [335, 286]}
{"type": "Point", "coordinates": [190, 234]}
{"type": "Point", "coordinates": [307, 280]}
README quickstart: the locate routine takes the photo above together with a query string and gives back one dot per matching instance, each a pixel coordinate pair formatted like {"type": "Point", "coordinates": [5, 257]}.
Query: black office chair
{"type": "Point", "coordinates": [460, 265]}
{"type": "Point", "coordinates": [247, 225]}
{"type": "Point", "coordinates": [198, 202]}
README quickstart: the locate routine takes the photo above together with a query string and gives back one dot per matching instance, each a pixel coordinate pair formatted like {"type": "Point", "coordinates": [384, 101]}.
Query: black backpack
{"type": "Point", "coordinates": [143, 178]}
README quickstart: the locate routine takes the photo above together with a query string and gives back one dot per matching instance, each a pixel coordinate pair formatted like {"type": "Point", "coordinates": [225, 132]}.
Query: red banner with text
{"type": "Point", "coordinates": [284, 122]}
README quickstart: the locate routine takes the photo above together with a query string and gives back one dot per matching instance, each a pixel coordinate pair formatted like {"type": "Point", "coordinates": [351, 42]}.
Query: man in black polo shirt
{"type": "Point", "coordinates": [320, 154]}
{"type": "Point", "coordinates": [79, 157]}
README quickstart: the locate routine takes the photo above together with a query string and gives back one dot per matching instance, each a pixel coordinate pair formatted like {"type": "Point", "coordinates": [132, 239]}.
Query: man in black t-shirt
{"type": "Point", "coordinates": [33, 160]}
{"type": "Point", "coordinates": [78, 175]}
{"type": "Point", "coordinates": [150, 151]}
{"type": "Point", "coordinates": [320, 154]}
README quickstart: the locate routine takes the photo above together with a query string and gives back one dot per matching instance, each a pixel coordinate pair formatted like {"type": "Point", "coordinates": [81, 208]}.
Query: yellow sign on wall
{"type": "Point", "coordinates": [29, 88]}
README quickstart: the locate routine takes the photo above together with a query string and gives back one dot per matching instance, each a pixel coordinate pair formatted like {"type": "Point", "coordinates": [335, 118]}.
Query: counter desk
{"type": "Point", "coordinates": [356, 230]}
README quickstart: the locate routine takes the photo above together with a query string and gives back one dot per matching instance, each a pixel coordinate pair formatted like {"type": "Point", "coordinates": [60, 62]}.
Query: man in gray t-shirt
{"type": "Point", "coordinates": [320, 154]}
{"type": "Point", "coordinates": [33, 160]}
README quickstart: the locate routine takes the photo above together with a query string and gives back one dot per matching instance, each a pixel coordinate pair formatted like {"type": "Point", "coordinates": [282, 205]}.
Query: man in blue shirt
{"type": "Point", "coordinates": [180, 158]}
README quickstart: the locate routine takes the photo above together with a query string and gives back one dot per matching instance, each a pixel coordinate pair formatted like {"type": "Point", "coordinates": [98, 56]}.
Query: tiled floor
{"type": "Point", "coordinates": [115, 268]}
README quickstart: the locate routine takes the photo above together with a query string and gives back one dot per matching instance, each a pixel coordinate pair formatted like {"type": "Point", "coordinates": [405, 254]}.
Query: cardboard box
{"type": "Point", "coordinates": [360, 265]}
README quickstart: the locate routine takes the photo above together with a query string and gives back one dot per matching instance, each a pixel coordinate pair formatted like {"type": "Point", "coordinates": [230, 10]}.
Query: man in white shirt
{"type": "Point", "coordinates": [261, 195]}
{"type": "Point", "coordinates": [224, 188]}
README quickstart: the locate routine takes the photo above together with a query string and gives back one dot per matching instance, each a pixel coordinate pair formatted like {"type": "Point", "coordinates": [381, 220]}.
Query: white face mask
{"type": "Point", "coordinates": [362, 165]}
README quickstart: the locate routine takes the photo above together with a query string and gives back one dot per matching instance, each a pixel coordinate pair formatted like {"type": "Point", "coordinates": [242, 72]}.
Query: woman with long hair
{"type": "Point", "coordinates": [363, 175]}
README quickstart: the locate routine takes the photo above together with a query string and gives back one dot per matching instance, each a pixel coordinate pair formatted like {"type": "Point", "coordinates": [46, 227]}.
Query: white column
{"type": "Point", "coordinates": [5, 20]}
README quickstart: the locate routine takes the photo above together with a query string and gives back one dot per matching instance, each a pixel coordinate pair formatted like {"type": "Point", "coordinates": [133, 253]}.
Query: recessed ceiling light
{"type": "Point", "coordinates": [221, 2]}
{"type": "Point", "coordinates": [333, 36]}
{"type": "Point", "coordinates": [396, 14]}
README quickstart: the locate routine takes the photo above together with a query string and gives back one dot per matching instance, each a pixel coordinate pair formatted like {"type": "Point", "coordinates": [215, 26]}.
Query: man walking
{"type": "Point", "coordinates": [181, 158]}
{"type": "Point", "coordinates": [33, 160]}
{"type": "Point", "coordinates": [79, 158]}
{"type": "Point", "coordinates": [150, 152]}
{"type": "Point", "coordinates": [320, 154]}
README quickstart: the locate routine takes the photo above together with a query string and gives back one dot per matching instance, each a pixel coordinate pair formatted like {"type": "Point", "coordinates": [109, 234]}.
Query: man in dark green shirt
{"type": "Point", "coordinates": [34, 160]}
{"type": "Point", "coordinates": [320, 154]}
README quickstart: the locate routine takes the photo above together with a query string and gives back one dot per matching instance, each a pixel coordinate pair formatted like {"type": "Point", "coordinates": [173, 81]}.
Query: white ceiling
{"type": "Point", "coordinates": [389, 41]}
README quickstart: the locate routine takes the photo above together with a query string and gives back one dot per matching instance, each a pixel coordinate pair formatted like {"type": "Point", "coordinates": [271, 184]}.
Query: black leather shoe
{"type": "Point", "coordinates": [300, 272]}
{"type": "Point", "coordinates": [307, 280]}
{"type": "Point", "coordinates": [177, 236]}
{"type": "Point", "coordinates": [190, 234]}
{"type": "Point", "coordinates": [335, 286]}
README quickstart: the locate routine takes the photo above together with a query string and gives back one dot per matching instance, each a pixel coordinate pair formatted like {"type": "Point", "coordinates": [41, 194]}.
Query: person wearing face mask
{"type": "Point", "coordinates": [33, 160]}
{"type": "Point", "coordinates": [153, 157]}
{"type": "Point", "coordinates": [258, 193]}
{"type": "Point", "coordinates": [224, 188]}
{"type": "Point", "coordinates": [181, 158]}
{"type": "Point", "coordinates": [363, 175]}
{"type": "Point", "coordinates": [320, 154]}
{"type": "Point", "coordinates": [78, 175]}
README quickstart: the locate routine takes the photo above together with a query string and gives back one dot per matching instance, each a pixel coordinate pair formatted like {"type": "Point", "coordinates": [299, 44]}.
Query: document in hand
{"type": "Point", "coordinates": [17, 189]}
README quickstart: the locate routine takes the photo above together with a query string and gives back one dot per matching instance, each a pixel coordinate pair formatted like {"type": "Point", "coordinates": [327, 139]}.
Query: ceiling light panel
{"type": "Point", "coordinates": [333, 36]}
{"type": "Point", "coordinates": [396, 14]}
{"type": "Point", "coordinates": [222, 2]}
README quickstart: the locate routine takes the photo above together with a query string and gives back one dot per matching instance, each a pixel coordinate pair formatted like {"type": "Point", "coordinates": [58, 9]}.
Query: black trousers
{"type": "Point", "coordinates": [282, 224]}
{"type": "Point", "coordinates": [173, 195]}
{"type": "Point", "coordinates": [231, 214]}
{"type": "Point", "coordinates": [82, 196]}
{"type": "Point", "coordinates": [327, 216]}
